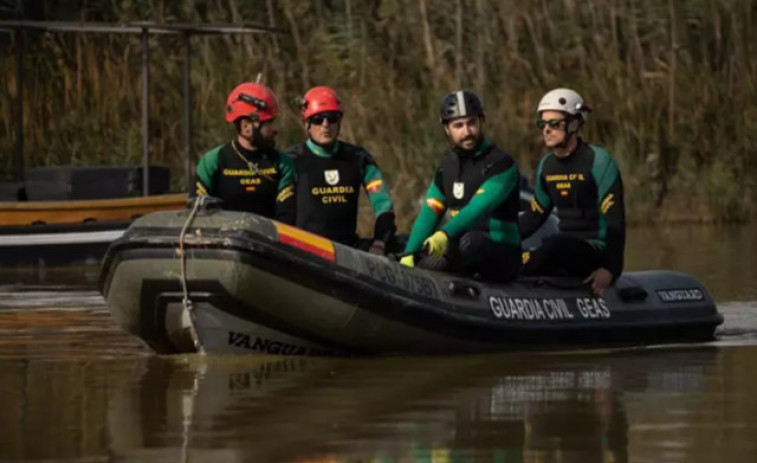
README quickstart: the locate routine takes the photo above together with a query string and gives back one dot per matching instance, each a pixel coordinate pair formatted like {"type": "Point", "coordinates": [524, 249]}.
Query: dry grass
{"type": "Point", "coordinates": [673, 84]}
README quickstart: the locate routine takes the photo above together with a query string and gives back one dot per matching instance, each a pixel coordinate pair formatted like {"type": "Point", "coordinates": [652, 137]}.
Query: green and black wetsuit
{"type": "Point", "coordinates": [259, 181]}
{"type": "Point", "coordinates": [587, 190]}
{"type": "Point", "coordinates": [481, 191]}
{"type": "Point", "coordinates": [328, 189]}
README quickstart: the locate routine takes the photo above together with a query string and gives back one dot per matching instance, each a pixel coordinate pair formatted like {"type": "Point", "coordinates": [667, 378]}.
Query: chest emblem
{"type": "Point", "coordinates": [458, 190]}
{"type": "Point", "coordinates": [331, 176]}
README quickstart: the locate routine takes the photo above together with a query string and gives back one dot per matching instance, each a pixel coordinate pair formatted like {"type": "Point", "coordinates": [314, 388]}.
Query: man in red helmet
{"type": "Point", "coordinates": [330, 174]}
{"type": "Point", "coordinates": [248, 173]}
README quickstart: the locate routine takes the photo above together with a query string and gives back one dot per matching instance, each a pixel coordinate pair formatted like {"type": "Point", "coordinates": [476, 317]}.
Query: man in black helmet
{"type": "Point", "coordinates": [478, 184]}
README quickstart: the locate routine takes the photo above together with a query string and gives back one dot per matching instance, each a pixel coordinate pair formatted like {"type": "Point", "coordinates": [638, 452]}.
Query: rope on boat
{"type": "Point", "coordinates": [186, 302]}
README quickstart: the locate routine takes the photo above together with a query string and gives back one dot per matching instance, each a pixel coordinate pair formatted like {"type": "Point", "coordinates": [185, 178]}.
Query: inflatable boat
{"type": "Point", "coordinates": [214, 281]}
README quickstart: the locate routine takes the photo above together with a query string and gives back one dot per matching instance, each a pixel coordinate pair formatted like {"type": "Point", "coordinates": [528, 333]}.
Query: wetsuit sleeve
{"type": "Point", "coordinates": [205, 173]}
{"type": "Point", "coordinates": [612, 215]}
{"type": "Point", "coordinates": [541, 206]}
{"type": "Point", "coordinates": [381, 201]}
{"type": "Point", "coordinates": [285, 201]}
{"type": "Point", "coordinates": [490, 195]}
{"type": "Point", "coordinates": [432, 210]}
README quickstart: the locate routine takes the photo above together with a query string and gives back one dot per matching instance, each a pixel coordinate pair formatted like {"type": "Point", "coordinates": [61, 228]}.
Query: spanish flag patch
{"type": "Point", "coordinates": [374, 186]}
{"type": "Point", "coordinates": [435, 205]}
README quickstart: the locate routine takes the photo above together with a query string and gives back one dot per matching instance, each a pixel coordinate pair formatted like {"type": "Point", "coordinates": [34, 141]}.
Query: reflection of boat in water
{"type": "Point", "coordinates": [257, 286]}
{"type": "Point", "coordinates": [493, 408]}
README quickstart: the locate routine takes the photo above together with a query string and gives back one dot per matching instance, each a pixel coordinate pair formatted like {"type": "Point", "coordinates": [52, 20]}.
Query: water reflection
{"type": "Point", "coordinates": [73, 387]}
{"type": "Point", "coordinates": [567, 407]}
{"type": "Point", "coordinates": [718, 256]}
{"type": "Point", "coordinates": [82, 276]}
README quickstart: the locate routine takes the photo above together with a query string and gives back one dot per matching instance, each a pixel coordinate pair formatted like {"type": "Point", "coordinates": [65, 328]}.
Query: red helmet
{"type": "Point", "coordinates": [320, 100]}
{"type": "Point", "coordinates": [251, 99]}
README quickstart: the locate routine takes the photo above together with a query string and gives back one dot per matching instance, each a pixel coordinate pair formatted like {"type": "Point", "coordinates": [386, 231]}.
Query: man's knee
{"type": "Point", "coordinates": [438, 264]}
{"type": "Point", "coordinates": [474, 247]}
{"type": "Point", "coordinates": [562, 256]}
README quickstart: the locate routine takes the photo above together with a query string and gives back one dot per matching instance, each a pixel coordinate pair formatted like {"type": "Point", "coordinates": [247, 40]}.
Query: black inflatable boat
{"type": "Point", "coordinates": [215, 281]}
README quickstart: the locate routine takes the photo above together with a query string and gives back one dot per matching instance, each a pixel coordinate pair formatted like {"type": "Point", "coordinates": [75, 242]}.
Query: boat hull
{"type": "Point", "coordinates": [257, 286]}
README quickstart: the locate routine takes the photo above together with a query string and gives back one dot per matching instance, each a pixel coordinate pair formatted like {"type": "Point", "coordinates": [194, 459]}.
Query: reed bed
{"type": "Point", "coordinates": [673, 85]}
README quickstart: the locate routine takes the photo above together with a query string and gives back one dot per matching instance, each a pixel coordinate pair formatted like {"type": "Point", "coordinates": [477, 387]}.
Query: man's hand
{"type": "Point", "coordinates": [600, 279]}
{"type": "Point", "coordinates": [436, 244]}
{"type": "Point", "coordinates": [408, 261]}
{"type": "Point", "coordinates": [378, 247]}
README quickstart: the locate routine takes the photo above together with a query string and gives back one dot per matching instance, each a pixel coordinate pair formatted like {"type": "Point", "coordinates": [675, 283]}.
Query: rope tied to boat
{"type": "Point", "coordinates": [186, 302]}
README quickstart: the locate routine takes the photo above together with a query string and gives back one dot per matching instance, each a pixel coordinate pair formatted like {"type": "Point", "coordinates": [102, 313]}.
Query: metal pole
{"type": "Point", "coordinates": [145, 114]}
{"type": "Point", "coordinates": [187, 112]}
{"type": "Point", "coordinates": [19, 174]}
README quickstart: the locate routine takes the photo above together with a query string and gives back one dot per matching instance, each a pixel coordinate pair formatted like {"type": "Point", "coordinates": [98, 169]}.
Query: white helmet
{"type": "Point", "coordinates": [565, 100]}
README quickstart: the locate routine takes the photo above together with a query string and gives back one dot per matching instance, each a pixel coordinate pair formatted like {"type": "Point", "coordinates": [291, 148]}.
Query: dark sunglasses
{"type": "Point", "coordinates": [552, 123]}
{"type": "Point", "coordinates": [318, 119]}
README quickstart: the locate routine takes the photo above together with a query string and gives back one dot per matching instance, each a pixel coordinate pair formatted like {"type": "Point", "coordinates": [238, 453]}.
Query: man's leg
{"type": "Point", "coordinates": [563, 256]}
{"type": "Point", "coordinates": [493, 261]}
{"type": "Point", "coordinates": [449, 262]}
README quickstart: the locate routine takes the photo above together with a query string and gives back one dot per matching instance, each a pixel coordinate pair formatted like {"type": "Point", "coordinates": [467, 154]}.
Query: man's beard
{"type": "Point", "coordinates": [476, 141]}
{"type": "Point", "coordinates": [262, 143]}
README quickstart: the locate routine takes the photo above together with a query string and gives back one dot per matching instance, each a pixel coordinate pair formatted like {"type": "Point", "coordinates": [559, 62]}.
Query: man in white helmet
{"type": "Point", "coordinates": [583, 183]}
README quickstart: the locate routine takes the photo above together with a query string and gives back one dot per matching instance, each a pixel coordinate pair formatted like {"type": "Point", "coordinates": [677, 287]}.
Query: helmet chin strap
{"type": "Point", "coordinates": [568, 133]}
{"type": "Point", "coordinates": [256, 138]}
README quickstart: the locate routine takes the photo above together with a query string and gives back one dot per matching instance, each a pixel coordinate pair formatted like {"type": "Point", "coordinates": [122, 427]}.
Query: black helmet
{"type": "Point", "coordinates": [460, 104]}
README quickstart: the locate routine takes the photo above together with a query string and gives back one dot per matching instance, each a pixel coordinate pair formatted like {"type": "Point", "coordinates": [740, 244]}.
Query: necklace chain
{"type": "Point", "coordinates": [253, 167]}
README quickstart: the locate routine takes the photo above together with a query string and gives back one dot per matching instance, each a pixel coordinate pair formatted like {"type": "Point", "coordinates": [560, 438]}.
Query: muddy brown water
{"type": "Point", "coordinates": [74, 388]}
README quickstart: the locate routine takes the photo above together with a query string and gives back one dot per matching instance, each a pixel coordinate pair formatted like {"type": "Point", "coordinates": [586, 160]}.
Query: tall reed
{"type": "Point", "coordinates": [673, 85]}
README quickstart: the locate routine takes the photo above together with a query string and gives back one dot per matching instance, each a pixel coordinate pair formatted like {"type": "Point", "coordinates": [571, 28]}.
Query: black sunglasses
{"type": "Point", "coordinates": [552, 123]}
{"type": "Point", "coordinates": [318, 119]}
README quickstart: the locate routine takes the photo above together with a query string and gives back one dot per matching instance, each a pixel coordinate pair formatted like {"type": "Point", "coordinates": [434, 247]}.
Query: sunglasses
{"type": "Point", "coordinates": [552, 123]}
{"type": "Point", "coordinates": [318, 119]}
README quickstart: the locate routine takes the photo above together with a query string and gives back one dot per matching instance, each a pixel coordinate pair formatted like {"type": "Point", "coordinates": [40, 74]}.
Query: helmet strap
{"type": "Point", "coordinates": [568, 132]}
{"type": "Point", "coordinates": [256, 138]}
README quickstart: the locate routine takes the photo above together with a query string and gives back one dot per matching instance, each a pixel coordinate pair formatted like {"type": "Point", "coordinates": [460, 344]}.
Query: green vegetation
{"type": "Point", "coordinates": [673, 84]}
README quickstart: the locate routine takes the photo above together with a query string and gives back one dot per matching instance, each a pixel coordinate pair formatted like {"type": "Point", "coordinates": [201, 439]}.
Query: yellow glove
{"type": "Point", "coordinates": [436, 244]}
{"type": "Point", "coordinates": [408, 261]}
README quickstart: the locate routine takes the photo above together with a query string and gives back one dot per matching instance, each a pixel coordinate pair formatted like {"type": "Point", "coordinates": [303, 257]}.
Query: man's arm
{"type": "Point", "coordinates": [381, 200]}
{"type": "Point", "coordinates": [541, 206]}
{"type": "Point", "coordinates": [491, 194]}
{"type": "Point", "coordinates": [432, 210]}
{"type": "Point", "coordinates": [205, 173]}
{"type": "Point", "coordinates": [285, 200]}
{"type": "Point", "coordinates": [611, 204]}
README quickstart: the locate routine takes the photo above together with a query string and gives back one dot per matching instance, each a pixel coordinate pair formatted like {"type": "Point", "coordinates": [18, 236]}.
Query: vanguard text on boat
{"type": "Point", "coordinates": [258, 286]}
